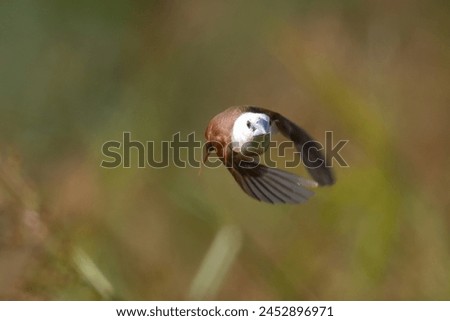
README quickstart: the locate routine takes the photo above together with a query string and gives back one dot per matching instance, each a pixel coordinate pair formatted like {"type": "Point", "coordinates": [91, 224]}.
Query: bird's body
{"type": "Point", "coordinates": [239, 134]}
{"type": "Point", "coordinates": [219, 130]}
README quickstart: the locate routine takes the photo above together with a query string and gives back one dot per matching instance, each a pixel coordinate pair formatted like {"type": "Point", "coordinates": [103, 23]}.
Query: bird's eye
{"type": "Point", "coordinates": [248, 123]}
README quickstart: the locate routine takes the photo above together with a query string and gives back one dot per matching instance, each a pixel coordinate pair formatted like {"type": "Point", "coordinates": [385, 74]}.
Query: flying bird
{"type": "Point", "coordinates": [239, 135]}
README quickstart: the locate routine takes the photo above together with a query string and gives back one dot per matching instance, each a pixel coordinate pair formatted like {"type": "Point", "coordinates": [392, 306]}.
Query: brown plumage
{"type": "Point", "coordinates": [263, 183]}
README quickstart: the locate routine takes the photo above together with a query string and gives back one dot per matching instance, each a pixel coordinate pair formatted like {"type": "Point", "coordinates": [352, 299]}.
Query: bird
{"type": "Point", "coordinates": [238, 135]}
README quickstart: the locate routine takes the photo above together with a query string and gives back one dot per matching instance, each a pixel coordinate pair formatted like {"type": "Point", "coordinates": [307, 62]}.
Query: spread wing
{"type": "Point", "coordinates": [312, 158]}
{"type": "Point", "coordinates": [270, 184]}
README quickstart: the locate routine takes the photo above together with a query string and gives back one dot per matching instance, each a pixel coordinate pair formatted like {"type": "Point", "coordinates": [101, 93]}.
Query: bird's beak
{"type": "Point", "coordinates": [262, 129]}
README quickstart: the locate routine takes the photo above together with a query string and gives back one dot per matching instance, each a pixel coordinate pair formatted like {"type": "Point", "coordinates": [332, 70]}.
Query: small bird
{"type": "Point", "coordinates": [239, 134]}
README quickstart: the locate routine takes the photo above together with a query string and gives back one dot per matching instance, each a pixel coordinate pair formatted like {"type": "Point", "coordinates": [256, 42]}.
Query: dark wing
{"type": "Point", "coordinates": [312, 158]}
{"type": "Point", "coordinates": [270, 184]}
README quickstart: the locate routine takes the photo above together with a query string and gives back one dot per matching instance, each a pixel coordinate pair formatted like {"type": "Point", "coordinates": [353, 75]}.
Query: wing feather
{"type": "Point", "coordinates": [310, 150]}
{"type": "Point", "coordinates": [270, 185]}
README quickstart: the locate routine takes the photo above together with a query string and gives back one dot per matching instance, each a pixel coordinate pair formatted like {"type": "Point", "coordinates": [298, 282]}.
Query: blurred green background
{"type": "Point", "coordinates": [75, 74]}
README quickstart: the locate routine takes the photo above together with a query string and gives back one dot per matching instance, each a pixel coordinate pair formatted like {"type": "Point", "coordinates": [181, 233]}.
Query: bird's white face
{"type": "Point", "coordinates": [251, 127]}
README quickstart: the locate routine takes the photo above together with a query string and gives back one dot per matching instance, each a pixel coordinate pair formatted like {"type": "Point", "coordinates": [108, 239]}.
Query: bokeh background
{"type": "Point", "coordinates": [75, 74]}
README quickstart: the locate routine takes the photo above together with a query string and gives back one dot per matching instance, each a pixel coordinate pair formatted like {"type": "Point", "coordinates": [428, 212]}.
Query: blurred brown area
{"type": "Point", "coordinates": [77, 74]}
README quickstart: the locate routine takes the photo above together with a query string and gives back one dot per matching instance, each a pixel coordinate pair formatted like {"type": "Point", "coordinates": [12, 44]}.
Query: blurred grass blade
{"type": "Point", "coordinates": [89, 270]}
{"type": "Point", "coordinates": [216, 264]}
